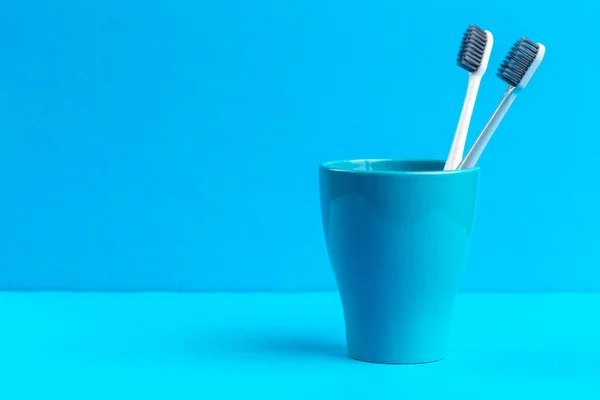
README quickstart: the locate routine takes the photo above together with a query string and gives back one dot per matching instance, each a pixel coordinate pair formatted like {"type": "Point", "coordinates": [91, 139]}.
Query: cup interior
{"type": "Point", "coordinates": [386, 165]}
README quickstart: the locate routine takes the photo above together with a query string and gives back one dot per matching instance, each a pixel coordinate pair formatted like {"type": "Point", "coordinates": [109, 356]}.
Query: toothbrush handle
{"type": "Point", "coordinates": [486, 134]}
{"type": "Point", "coordinates": [460, 136]}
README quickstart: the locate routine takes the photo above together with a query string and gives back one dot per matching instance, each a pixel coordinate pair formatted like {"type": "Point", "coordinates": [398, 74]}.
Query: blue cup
{"type": "Point", "coordinates": [398, 235]}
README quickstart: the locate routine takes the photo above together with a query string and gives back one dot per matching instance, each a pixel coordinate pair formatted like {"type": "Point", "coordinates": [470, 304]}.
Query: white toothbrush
{"type": "Point", "coordinates": [474, 55]}
{"type": "Point", "coordinates": [517, 69]}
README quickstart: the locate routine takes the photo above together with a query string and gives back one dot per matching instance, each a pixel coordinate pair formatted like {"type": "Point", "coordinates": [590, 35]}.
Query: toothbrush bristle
{"type": "Point", "coordinates": [517, 62]}
{"type": "Point", "coordinates": [472, 47]}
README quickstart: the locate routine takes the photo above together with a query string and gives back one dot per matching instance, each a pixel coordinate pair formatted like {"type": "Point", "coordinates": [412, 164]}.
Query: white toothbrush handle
{"type": "Point", "coordinates": [460, 136]}
{"type": "Point", "coordinates": [484, 137]}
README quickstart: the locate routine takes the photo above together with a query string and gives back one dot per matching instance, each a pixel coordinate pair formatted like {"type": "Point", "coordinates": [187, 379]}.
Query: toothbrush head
{"type": "Point", "coordinates": [475, 50]}
{"type": "Point", "coordinates": [521, 62]}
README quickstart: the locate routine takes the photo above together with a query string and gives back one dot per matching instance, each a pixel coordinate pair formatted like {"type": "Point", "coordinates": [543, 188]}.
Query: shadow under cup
{"type": "Point", "coordinates": [398, 235]}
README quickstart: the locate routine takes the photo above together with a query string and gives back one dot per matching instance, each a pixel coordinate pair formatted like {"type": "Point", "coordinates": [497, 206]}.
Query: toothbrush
{"type": "Point", "coordinates": [517, 69]}
{"type": "Point", "coordinates": [473, 56]}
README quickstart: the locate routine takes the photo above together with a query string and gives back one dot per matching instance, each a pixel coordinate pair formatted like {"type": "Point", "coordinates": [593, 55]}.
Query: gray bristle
{"type": "Point", "coordinates": [472, 47]}
{"type": "Point", "coordinates": [517, 61]}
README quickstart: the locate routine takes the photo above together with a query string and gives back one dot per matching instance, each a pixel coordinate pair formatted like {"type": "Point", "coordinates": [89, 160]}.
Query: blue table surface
{"type": "Point", "coordinates": [285, 346]}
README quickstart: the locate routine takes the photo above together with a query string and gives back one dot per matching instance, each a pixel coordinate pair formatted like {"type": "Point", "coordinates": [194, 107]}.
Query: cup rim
{"type": "Point", "coordinates": [330, 166]}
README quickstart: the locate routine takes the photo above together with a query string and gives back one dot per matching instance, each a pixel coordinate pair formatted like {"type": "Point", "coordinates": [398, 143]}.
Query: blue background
{"type": "Point", "coordinates": [173, 145]}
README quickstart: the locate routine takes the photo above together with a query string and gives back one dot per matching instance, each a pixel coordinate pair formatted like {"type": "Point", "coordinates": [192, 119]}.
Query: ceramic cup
{"type": "Point", "coordinates": [398, 235]}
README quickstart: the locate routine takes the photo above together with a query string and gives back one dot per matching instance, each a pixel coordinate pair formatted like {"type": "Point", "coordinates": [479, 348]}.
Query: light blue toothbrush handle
{"type": "Point", "coordinates": [486, 134]}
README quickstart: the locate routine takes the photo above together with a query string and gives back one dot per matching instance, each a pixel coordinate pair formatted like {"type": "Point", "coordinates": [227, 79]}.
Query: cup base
{"type": "Point", "coordinates": [398, 346]}
{"type": "Point", "coordinates": [395, 359]}
{"type": "Point", "coordinates": [395, 362]}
